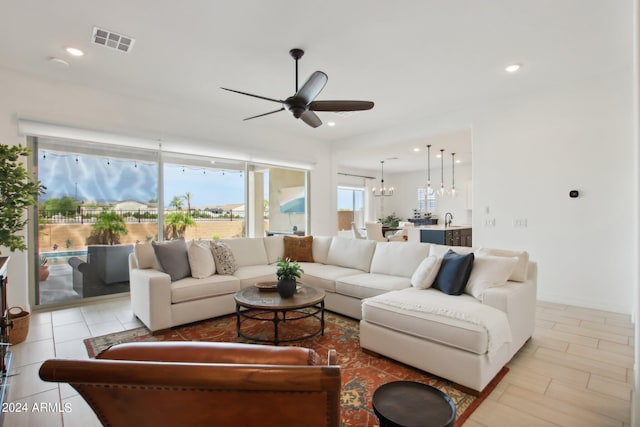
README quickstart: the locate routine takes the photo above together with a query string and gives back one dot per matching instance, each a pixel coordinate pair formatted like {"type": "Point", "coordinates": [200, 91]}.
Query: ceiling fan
{"type": "Point", "coordinates": [302, 105]}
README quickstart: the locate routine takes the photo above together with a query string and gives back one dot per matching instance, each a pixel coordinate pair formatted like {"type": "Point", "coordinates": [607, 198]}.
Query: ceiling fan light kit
{"type": "Point", "coordinates": [302, 104]}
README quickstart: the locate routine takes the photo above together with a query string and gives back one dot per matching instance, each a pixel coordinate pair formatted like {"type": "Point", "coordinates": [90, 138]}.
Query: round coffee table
{"type": "Point", "coordinates": [260, 303]}
{"type": "Point", "coordinates": [412, 404]}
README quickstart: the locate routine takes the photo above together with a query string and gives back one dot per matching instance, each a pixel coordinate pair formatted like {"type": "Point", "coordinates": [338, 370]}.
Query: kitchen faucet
{"type": "Point", "coordinates": [447, 222]}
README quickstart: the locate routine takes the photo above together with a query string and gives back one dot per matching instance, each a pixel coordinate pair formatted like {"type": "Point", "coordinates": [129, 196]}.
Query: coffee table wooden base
{"type": "Point", "coordinates": [251, 304]}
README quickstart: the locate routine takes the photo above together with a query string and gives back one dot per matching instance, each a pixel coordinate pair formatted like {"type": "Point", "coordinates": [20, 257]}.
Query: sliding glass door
{"type": "Point", "coordinates": [101, 199]}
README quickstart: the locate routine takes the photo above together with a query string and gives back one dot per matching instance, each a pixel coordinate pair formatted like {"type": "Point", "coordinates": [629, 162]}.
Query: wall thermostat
{"type": "Point", "coordinates": [574, 193]}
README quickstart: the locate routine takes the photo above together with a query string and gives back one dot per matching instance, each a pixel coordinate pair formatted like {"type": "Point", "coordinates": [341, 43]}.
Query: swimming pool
{"type": "Point", "coordinates": [60, 257]}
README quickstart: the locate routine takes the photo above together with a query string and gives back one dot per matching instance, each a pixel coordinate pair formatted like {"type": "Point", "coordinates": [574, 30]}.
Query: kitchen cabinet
{"type": "Point", "coordinates": [452, 236]}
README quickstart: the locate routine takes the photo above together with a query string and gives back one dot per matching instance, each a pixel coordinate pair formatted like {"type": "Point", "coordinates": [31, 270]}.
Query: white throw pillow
{"type": "Point", "coordinates": [426, 273]}
{"type": "Point", "coordinates": [201, 260]}
{"type": "Point", "coordinates": [519, 274]}
{"type": "Point", "coordinates": [489, 272]}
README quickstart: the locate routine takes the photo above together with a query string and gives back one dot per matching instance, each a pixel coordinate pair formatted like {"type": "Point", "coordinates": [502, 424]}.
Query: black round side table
{"type": "Point", "coordinates": [412, 404]}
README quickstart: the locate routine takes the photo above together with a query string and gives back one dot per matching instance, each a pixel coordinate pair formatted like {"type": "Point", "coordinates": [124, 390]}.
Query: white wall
{"type": "Point", "coordinates": [191, 129]}
{"type": "Point", "coordinates": [528, 152]}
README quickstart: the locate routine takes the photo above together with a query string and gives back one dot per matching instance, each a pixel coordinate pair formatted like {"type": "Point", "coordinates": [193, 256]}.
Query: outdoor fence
{"type": "Point", "coordinates": [88, 216]}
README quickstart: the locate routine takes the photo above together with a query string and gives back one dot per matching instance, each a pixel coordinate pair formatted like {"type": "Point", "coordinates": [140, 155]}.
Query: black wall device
{"type": "Point", "coordinates": [574, 194]}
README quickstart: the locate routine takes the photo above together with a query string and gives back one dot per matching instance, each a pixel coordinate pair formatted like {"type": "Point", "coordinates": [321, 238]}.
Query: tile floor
{"type": "Point", "coordinates": [576, 371]}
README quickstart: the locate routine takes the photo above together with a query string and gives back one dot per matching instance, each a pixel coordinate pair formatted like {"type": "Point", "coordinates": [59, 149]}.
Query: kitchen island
{"type": "Point", "coordinates": [453, 235]}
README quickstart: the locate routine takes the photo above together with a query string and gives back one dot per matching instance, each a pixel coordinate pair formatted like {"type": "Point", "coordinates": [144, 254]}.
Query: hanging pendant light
{"type": "Point", "coordinates": [453, 174]}
{"type": "Point", "coordinates": [441, 190]}
{"type": "Point", "coordinates": [428, 168]}
{"type": "Point", "coordinates": [382, 191]}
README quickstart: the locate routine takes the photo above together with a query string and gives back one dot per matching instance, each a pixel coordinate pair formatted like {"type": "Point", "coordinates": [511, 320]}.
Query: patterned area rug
{"type": "Point", "coordinates": [362, 373]}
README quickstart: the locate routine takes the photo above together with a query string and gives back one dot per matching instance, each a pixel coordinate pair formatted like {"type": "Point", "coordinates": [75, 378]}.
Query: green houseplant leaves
{"type": "Point", "coordinates": [18, 191]}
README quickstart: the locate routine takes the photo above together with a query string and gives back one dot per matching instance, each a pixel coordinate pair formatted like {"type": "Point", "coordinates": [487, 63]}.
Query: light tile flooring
{"type": "Point", "coordinates": [576, 371]}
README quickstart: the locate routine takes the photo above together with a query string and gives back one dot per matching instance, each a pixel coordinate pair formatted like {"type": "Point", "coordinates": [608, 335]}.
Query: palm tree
{"type": "Point", "coordinates": [176, 224]}
{"type": "Point", "coordinates": [108, 228]}
{"type": "Point", "coordinates": [176, 202]}
{"type": "Point", "coordinates": [188, 195]}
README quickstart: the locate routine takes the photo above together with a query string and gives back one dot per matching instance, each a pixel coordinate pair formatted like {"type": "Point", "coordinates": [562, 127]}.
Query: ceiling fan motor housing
{"type": "Point", "coordinates": [296, 105]}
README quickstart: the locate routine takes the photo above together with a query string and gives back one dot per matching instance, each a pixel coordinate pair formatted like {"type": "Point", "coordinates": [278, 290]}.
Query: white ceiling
{"type": "Point", "coordinates": [412, 58]}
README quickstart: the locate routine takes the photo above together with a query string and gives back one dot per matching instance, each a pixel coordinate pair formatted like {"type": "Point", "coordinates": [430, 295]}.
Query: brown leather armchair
{"type": "Point", "coordinates": [204, 384]}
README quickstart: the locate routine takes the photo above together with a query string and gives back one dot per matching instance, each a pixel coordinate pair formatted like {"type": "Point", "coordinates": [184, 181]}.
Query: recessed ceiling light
{"type": "Point", "coordinates": [331, 124]}
{"type": "Point", "coordinates": [416, 149]}
{"type": "Point", "coordinates": [74, 51]}
{"type": "Point", "coordinates": [457, 160]}
{"type": "Point", "coordinates": [512, 68]}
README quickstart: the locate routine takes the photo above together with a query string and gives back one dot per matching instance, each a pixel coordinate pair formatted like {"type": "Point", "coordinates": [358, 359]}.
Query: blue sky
{"type": "Point", "coordinates": [110, 180]}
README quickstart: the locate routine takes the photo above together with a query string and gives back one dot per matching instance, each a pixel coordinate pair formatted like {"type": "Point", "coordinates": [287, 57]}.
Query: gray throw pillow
{"type": "Point", "coordinates": [223, 257]}
{"type": "Point", "coordinates": [173, 257]}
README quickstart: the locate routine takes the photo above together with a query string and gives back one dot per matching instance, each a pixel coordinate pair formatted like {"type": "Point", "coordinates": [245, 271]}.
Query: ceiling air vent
{"type": "Point", "coordinates": [113, 40]}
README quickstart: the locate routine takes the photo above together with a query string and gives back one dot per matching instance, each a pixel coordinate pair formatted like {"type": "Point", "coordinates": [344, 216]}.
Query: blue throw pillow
{"type": "Point", "coordinates": [454, 273]}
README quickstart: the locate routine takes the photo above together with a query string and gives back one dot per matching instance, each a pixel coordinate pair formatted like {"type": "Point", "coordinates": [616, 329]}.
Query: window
{"type": "Point", "coordinates": [350, 207]}
{"type": "Point", "coordinates": [426, 200]}
{"type": "Point", "coordinates": [90, 188]}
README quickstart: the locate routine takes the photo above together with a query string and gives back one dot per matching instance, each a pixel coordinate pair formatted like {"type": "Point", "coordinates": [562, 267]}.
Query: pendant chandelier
{"type": "Point", "coordinates": [382, 191]}
{"type": "Point", "coordinates": [453, 174]}
{"type": "Point", "coordinates": [441, 191]}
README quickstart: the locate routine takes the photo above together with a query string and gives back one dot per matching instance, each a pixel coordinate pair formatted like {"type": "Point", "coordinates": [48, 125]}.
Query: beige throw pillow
{"type": "Point", "coordinates": [201, 260]}
{"type": "Point", "coordinates": [489, 272]}
{"type": "Point", "coordinates": [146, 256]}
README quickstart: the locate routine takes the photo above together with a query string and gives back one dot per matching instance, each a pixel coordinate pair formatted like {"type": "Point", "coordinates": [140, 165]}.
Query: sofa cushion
{"type": "Point", "coordinates": [146, 256]}
{"type": "Point", "coordinates": [452, 332]}
{"type": "Point", "coordinates": [324, 276]}
{"type": "Point", "coordinates": [223, 257]}
{"type": "Point", "coordinates": [248, 251]}
{"type": "Point", "coordinates": [249, 275]}
{"type": "Point", "coordinates": [201, 260]}
{"type": "Point", "coordinates": [489, 272]}
{"type": "Point", "coordinates": [367, 285]}
{"type": "Point", "coordinates": [398, 258]}
{"type": "Point", "coordinates": [274, 245]}
{"type": "Point", "coordinates": [189, 289]}
{"type": "Point", "coordinates": [351, 253]}
{"type": "Point", "coordinates": [320, 248]}
{"type": "Point", "coordinates": [173, 258]}
{"type": "Point", "coordinates": [426, 273]}
{"type": "Point", "coordinates": [454, 273]}
{"type": "Point", "coordinates": [520, 272]}
{"type": "Point", "coordinates": [298, 248]}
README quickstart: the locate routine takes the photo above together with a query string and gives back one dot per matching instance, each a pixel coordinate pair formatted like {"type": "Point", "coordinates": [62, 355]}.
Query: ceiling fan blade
{"type": "Point", "coordinates": [255, 96]}
{"type": "Point", "coordinates": [312, 87]}
{"type": "Point", "coordinates": [311, 118]}
{"type": "Point", "coordinates": [340, 105]}
{"type": "Point", "coordinates": [265, 114]}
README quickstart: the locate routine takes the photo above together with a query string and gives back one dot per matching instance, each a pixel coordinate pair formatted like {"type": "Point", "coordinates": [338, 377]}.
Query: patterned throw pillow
{"type": "Point", "coordinates": [223, 257]}
{"type": "Point", "coordinates": [298, 248]}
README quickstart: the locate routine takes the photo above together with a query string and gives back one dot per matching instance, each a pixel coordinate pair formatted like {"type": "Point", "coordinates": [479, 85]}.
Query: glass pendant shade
{"type": "Point", "coordinates": [453, 174]}
{"type": "Point", "coordinates": [441, 191]}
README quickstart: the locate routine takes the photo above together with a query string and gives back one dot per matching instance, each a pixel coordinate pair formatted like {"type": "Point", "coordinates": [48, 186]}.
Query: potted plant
{"type": "Point", "coordinates": [288, 271]}
{"type": "Point", "coordinates": [43, 272]}
{"type": "Point", "coordinates": [18, 191]}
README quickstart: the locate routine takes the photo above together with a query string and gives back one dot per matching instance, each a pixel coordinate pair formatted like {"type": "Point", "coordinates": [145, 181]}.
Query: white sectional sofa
{"type": "Point", "coordinates": [366, 280]}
